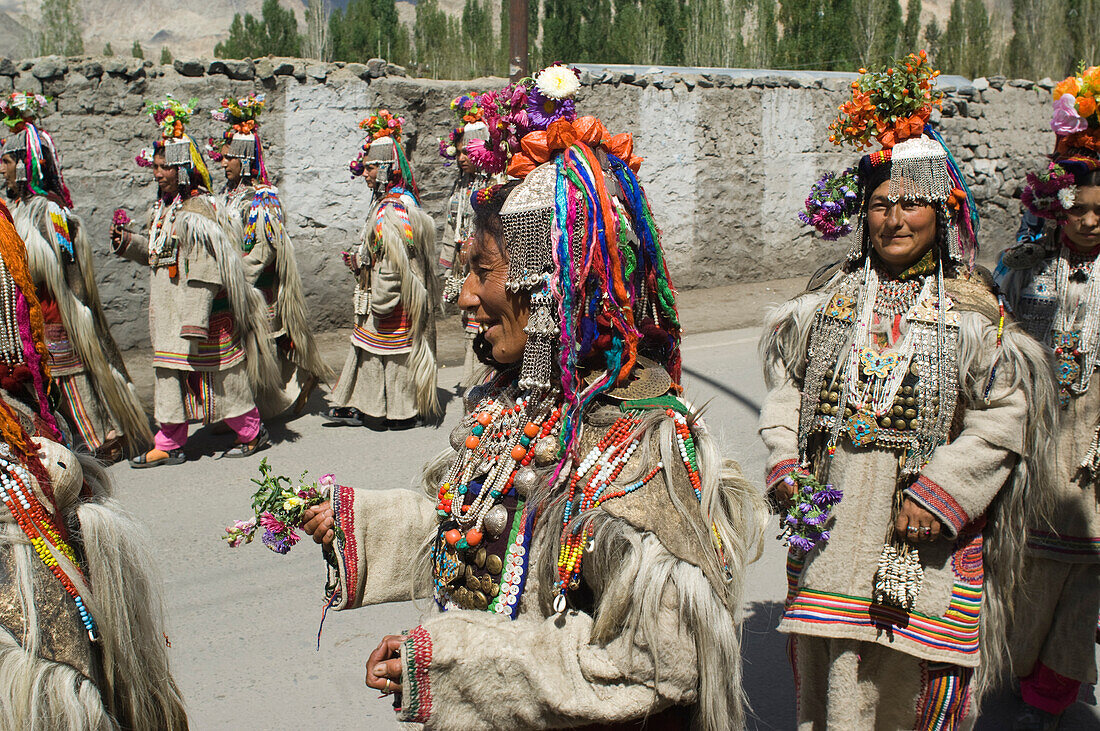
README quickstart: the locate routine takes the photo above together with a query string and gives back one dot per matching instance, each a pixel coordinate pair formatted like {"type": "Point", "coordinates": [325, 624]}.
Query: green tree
{"type": "Point", "coordinates": [636, 36]}
{"type": "Point", "coordinates": [478, 40]}
{"type": "Point", "coordinates": [876, 30]}
{"type": "Point", "coordinates": [316, 42]}
{"type": "Point", "coordinates": [165, 55]}
{"type": "Point", "coordinates": [965, 48]}
{"type": "Point", "coordinates": [368, 29]}
{"type": "Point", "coordinates": [62, 28]}
{"type": "Point", "coordinates": [933, 38]}
{"type": "Point", "coordinates": [561, 40]}
{"type": "Point", "coordinates": [107, 50]}
{"type": "Point", "coordinates": [1042, 44]}
{"type": "Point", "coordinates": [274, 32]}
{"type": "Point", "coordinates": [1083, 18]}
{"type": "Point", "coordinates": [817, 34]}
{"type": "Point", "coordinates": [137, 51]}
{"type": "Point", "coordinates": [765, 42]}
{"type": "Point", "coordinates": [910, 34]}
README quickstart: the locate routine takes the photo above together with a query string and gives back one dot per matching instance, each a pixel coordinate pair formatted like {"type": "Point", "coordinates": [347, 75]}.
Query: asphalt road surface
{"type": "Point", "coordinates": [243, 623]}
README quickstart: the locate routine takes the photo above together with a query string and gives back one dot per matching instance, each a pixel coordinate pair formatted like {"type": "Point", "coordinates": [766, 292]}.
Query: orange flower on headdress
{"type": "Point", "coordinates": [1067, 86]}
{"type": "Point", "coordinates": [1086, 106]}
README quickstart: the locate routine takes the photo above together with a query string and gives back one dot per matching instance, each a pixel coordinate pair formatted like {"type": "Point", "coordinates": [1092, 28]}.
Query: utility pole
{"type": "Point", "coordinates": [517, 40]}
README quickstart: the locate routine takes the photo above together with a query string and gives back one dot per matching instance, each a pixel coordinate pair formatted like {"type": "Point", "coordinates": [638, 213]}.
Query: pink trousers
{"type": "Point", "coordinates": [174, 436]}
{"type": "Point", "coordinates": [1047, 690]}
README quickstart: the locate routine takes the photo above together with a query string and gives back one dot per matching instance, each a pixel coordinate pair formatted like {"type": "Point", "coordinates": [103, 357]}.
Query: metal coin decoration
{"type": "Point", "coordinates": [646, 381]}
{"type": "Point", "coordinates": [1067, 365]}
{"type": "Point", "coordinates": [862, 429]}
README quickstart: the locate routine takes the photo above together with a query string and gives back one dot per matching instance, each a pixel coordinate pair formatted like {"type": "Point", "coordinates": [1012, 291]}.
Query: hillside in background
{"type": "Point", "coordinates": [193, 30]}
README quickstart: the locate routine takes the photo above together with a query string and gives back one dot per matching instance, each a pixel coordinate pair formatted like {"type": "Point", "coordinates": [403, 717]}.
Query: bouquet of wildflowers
{"type": "Point", "coordinates": [278, 507]}
{"type": "Point", "coordinates": [832, 202]}
{"type": "Point", "coordinates": [1050, 194]}
{"type": "Point", "coordinates": [803, 525]}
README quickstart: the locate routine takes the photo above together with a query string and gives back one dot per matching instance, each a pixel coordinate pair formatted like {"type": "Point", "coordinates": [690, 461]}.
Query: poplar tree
{"type": "Point", "coordinates": [274, 32]}
{"type": "Point", "coordinates": [62, 28]}
{"type": "Point", "coordinates": [368, 29]}
{"type": "Point", "coordinates": [966, 42]}
{"type": "Point", "coordinates": [137, 51]}
{"type": "Point", "coordinates": [910, 34]}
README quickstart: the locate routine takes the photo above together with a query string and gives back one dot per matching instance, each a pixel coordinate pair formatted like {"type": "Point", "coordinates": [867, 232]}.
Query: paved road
{"type": "Point", "coordinates": [243, 622]}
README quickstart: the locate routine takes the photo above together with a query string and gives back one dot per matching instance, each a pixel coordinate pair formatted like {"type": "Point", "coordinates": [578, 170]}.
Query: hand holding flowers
{"type": "Point", "coordinates": [802, 525]}
{"type": "Point", "coordinates": [278, 509]}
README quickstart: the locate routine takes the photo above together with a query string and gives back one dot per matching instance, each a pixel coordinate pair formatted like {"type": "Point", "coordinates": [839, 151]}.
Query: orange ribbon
{"type": "Point", "coordinates": [536, 148]}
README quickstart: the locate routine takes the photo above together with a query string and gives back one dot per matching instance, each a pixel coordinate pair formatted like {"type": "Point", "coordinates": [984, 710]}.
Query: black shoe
{"type": "Point", "coordinates": [141, 462]}
{"type": "Point", "coordinates": [346, 415]}
{"type": "Point", "coordinates": [1035, 719]}
{"type": "Point", "coordinates": [247, 449]}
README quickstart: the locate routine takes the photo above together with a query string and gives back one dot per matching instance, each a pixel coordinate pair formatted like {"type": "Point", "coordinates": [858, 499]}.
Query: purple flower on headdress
{"type": "Point", "coordinates": [1066, 120]}
{"type": "Point", "coordinates": [542, 110]}
{"type": "Point", "coordinates": [831, 204]}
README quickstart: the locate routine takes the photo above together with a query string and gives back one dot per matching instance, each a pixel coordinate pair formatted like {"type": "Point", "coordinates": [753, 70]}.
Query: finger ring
{"type": "Point", "coordinates": [926, 531]}
{"type": "Point", "coordinates": [910, 529]}
{"type": "Point", "coordinates": [387, 688]}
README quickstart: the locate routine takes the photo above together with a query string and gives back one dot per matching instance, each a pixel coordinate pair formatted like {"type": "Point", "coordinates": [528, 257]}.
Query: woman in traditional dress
{"type": "Point", "coordinates": [905, 423]}
{"type": "Point", "coordinates": [460, 218]}
{"type": "Point", "coordinates": [212, 350]}
{"type": "Point", "coordinates": [270, 263]}
{"type": "Point", "coordinates": [583, 537]}
{"type": "Point", "coordinates": [81, 626]}
{"type": "Point", "coordinates": [388, 379]}
{"type": "Point", "coordinates": [1053, 287]}
{"type": "Point", "coordinates": [99, 401]}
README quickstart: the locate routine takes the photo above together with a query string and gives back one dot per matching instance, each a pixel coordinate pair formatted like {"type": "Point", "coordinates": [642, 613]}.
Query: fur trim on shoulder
{"type": "Point", "coordinates": [1028, 496]}
{"type": "Point", "coordinates": [198, 224]}
{"type": "Point", "coordinates": [786, 334]}
{"type": "Point", "coordinates": [45, 259]}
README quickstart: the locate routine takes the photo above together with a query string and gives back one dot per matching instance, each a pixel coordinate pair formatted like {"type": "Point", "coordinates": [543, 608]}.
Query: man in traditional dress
{"type": "Point", "coordinates": [908, 422]}
{"type": "Point", "coordinates": [97, 397]}
{"type": "Point", "coordinates": [388, 380]}
{"type": "Point", "coordinates": [470, 179]}
{"type": "Point", "coordinates": [269, 260]}
{"type": "Point", "coordinates": [212, 349]}
{"type": "Point", "coordinates": [1053, 287]}
{"type": "Point", "coordinates": [81, 628]}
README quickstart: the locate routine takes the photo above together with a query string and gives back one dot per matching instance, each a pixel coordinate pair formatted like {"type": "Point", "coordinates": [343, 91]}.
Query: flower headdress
{"type": "Point", "coordinates": [242, 138]}
{"type": "Point", "coordinates": [383, 147]}
{"type": "Point", "coordinates": [581, 239]}
{"type": "Point", "coordinates": [37, 162]}
{"type": "Point", "coordinates": [1076, 123]}
{"type": "Point", "coordinates": [1076, 119]}
{"type": "Point", "coordinates": [469, 125]}
{"type": "Point", "coordinates": [180, 151]}
{"type": "Point", "coordinates": [893, 107]}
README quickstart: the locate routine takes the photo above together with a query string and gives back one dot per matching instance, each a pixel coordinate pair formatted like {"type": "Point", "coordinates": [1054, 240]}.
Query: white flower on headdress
{"type": "Point", "coordinates": [1067, 196]}
{"type": "Point", "coordinates": [451, 151]}
{"type": "Point", "coordinates": [557, 82]}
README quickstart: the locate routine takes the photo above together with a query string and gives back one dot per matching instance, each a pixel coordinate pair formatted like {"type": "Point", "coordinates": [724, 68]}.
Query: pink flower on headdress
{"type": "Point", "coordinates": [1066, 120]}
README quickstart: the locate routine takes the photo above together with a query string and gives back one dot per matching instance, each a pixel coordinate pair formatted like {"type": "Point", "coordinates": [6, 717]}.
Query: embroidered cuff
{"type": "Point", "coordinates": [342, 592]}
{"type": "Point", "coordinates": [935, 499]}
{"type": "Point", "coordinates": [194, 332]}
{"type": "Point", "coordinates": [416, 689]}
{"type": "Point", "coordinates": [781, 470]}
{"type": "Point", "coordinates": [120, 244]}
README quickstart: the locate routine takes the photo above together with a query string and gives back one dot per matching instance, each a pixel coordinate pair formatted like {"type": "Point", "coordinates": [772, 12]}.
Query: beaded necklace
{"type": "Point", "coordinates": [591, 484]}
{"type": "Point", "coordinates": [163, 249]}
{"type": "Point", "coordinates": [32, 518]}
{"type": "Point", "coordinates": [497, 442]}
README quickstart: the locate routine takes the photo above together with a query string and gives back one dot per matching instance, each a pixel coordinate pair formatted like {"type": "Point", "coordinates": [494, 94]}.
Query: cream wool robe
{"type": "Point", "coordinates": [204, 318]}
{"type": "Point", "coordinates": [390, 371]}
{"type": "Point", "coordinates": [1061, 589]}
{"type": "Point", "coordinates": [84, 359]}
{"type": "Point", "coordinates": [959, 613]}
{"type": "Point", "coordinates": [658, 635]}
{"type": "Point", "coordinates": [271, 266]}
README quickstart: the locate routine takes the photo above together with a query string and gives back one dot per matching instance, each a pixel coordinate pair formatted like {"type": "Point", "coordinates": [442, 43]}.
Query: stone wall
{"type": "Point", "coordinates": [729, 156]}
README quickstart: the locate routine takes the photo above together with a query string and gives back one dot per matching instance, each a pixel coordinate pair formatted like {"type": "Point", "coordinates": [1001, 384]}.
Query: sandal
{"type": "Point", "coordinates": [247, 449]}
{"type": "Point", "coordinates": [347, 415]}
{"type": "Point", "coordinates": [141, 462]}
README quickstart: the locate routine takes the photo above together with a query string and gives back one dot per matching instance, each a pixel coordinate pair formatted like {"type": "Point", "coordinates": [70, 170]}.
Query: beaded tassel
{"type": "Point", "coordinates": [32, 518]}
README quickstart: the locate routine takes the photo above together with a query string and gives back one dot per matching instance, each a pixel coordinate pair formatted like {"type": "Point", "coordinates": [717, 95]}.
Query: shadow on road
{"type": "Point", "coordinates": [768, 682]}
{"type": "Point", "coordinates": [724, 388]}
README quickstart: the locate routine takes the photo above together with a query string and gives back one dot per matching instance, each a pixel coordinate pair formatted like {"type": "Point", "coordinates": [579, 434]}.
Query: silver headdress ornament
{"type": "Point", "coordinates": [177, 153]}
{"type": "Point", "coordinates": [16, 146]}
{"type": "Point", "coordinates": [242, 147]}
{"type": "Point", "coordinates": [527, 218]}
{"type": "Point", "coordinates": [918, 171]}
{"type": "Point", "coordinates": [475, 131]}
{"type": "Point", "coordinates": [381, 152]}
